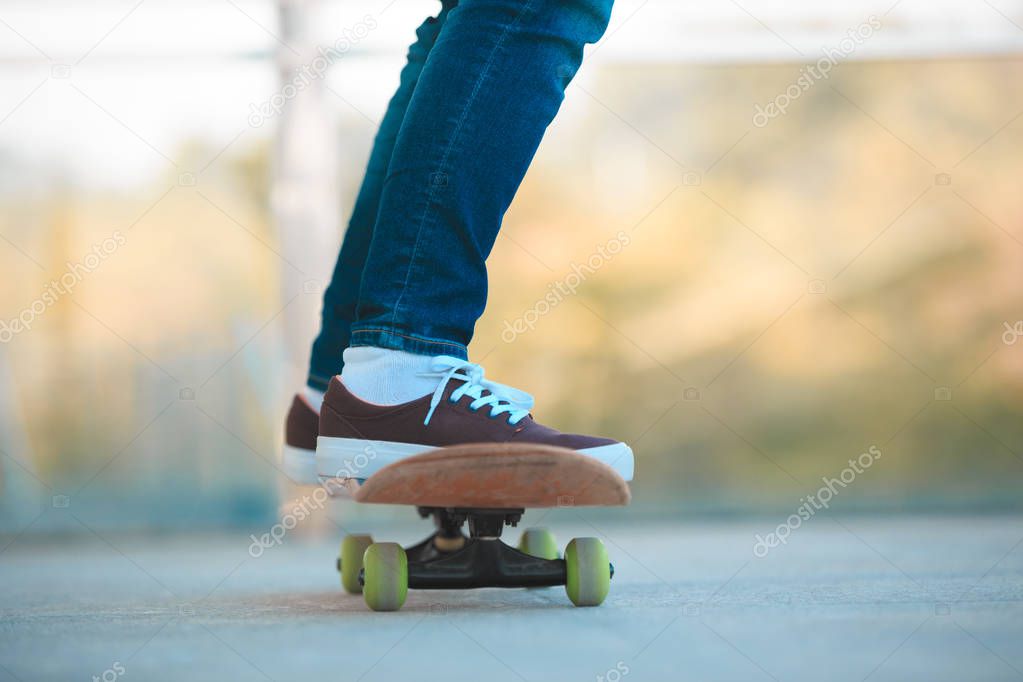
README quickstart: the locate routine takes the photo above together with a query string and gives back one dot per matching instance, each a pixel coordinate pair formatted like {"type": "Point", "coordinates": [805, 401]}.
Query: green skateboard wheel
{"type": "Point", "coordinates": [350, 563]}
{"type": "Point", "coordinates": [588, 572]}
{"type": "Point", "coordinates": [385, 576]}
{"type": "Point", "coordinates": [539, 542]}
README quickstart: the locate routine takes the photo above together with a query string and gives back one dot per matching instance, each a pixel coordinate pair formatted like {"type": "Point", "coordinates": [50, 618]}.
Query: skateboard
{"type": "Point", "coordinates": [482, 488]}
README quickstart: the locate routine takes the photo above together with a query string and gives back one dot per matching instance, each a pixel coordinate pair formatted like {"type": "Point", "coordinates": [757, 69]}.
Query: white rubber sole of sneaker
{"type": "Point", "coordinates": [300, 465]}
{"type": "Point", "coordinates": [356, 458]}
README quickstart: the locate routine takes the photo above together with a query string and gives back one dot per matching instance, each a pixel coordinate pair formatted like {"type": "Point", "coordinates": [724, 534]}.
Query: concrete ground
{"type": "Point", "coordinates": [845, 599]}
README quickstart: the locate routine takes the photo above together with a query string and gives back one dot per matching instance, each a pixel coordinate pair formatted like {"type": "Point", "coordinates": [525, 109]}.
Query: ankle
{"type": "Point", "coordinates": [314, 397]}
{"type": "Point", "coordinates": [385, 376]}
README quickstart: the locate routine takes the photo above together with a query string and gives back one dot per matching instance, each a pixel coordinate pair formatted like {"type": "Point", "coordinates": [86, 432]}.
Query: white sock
{"type": "Point", "coordinates": [386, 377]}
{"type": "Point", "coordinates": [314, 397]}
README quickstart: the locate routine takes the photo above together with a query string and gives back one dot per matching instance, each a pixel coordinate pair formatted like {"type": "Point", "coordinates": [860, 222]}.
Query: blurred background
{"type": "Point", "coordinates": [788, 231]}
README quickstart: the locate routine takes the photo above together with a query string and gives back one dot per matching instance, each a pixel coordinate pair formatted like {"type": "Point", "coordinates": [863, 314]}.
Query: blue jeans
{"type": "Point", "coordinates": [482, 82]}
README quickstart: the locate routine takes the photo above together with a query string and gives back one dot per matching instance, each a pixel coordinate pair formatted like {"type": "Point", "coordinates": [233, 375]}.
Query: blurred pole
{"type": "Point", "coordinates": [304, 190]}
{"type": "Point", "coordinates": [305, 205]}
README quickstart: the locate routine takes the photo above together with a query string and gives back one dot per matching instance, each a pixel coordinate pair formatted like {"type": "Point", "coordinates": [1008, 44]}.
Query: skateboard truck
{"type": "Point", "coordinates": [483, 560]}
{"type": "Point", "coordinates": [484, 524]}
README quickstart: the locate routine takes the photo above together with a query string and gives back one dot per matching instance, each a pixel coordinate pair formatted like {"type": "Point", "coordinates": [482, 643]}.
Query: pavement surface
{"type": "Point", "coordinates": [854, 598]}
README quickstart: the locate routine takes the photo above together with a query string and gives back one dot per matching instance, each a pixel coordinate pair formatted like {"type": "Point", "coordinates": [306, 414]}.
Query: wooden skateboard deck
{"type": "Point", "coordinates": [496, 476]}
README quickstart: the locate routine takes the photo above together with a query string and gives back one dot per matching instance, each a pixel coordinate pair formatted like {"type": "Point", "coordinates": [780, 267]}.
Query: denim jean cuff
{"type": "Point", "coordinates": [320, 383]}
{"type": "Point", "coordinates": [395, 340]}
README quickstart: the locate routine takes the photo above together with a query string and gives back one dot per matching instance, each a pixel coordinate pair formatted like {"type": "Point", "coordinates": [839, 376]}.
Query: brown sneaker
{"type": "Point", "coordinates": [357, 438]}
{"type": "Point", "coordinates": [300, 430]}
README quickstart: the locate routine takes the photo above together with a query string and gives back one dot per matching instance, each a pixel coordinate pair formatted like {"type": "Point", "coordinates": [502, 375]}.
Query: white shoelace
{"type": "Point", "coordinates": [500, 398]}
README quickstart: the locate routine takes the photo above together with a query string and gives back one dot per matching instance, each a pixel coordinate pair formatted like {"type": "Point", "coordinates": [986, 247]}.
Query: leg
{"type": "Point", "coordinates": [491, 85]}
{"type": "Point", "coordinates": [340, 298]}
